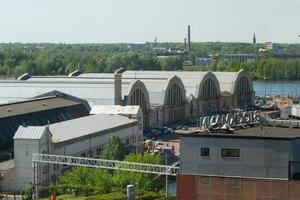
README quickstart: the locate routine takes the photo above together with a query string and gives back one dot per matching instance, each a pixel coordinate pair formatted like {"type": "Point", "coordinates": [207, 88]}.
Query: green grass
{"type": "Point", "coordinates": [143, 195]}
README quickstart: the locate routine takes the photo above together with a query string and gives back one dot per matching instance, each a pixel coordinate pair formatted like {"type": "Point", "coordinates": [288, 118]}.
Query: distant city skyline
{"type": "Point", "coordinates": [117, 21]}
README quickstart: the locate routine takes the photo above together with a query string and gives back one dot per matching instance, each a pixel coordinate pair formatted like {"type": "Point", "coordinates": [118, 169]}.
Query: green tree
{"type": "Point", "coordinates": [114, 149]}
{"type": "Point", "coordinates": [170, 63]}
{"type": "Point", "coordinates": [141, 180]}
{"type": "Point", "coordinates": [87, 179]}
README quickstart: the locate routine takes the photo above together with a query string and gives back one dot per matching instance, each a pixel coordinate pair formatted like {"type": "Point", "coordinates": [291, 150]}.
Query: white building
{"type": "Point", "coordinates": [85, 137]}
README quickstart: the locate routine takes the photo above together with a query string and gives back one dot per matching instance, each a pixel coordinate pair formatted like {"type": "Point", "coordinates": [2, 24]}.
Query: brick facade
{"type": "Point", "coordinates": [192, 187]}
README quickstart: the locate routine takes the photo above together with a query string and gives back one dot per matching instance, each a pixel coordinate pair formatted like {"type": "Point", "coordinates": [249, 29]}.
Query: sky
{"type": "Point", "coordinates": [126, 21]}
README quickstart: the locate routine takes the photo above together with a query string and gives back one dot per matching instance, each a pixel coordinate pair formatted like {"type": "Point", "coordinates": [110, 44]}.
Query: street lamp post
{"type": "Point", "coordinates": [265, 78]}
{"type": "Point", "coordinates": [166, 163]}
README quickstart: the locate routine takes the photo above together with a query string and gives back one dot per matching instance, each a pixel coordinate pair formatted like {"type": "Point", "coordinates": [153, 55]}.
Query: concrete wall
{"type": "Point", "coordinates": [190, 187]}
{"type": "Point", "coordinates": [258, 157]}
{"type": "Point", "coordinates": [134, 134]}
{"type": "Point", "coordinates": [23, 150]}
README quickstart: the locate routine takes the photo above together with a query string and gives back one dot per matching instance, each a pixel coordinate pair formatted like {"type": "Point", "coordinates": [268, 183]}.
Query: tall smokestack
{"type": "Point", "coordinates": [118, 86]}
{"type": "Point", "coordinates": [184, 43]}
{"type": "Point", "coordinates": [189, 37]}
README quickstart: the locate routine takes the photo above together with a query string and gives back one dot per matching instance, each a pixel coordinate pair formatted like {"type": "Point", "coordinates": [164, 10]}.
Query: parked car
{"type": "Point", "coordinates": [148, 135]}
{"type": "Point", "coordinates": [170, 130]}
{"type": "Point", "coordinates": [156, 132]}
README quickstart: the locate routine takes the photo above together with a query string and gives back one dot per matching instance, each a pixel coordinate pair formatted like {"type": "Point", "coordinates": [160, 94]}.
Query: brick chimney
{"type": "Point", "coordinates": [118, 85]}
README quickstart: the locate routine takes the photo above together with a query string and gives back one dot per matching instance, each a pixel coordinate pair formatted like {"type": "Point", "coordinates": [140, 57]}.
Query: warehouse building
{"type": "Point", "coordinates": [84, 137]}
{"type": "Point", "coordinates": [164, 96]}
{"type": "Point", "coordinates": [236, 89]}
{"type": "Point", "coordinates": [202, 89]}
{"type": "Point", "coordinates": [46, 109]}
{"type": "Point", "coordinates": [249, 163]}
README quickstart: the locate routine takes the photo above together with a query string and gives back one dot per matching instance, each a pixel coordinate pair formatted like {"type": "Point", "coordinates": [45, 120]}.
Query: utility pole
{"type": "Point", "coordinates": [265, 78]}
{"type": "Point", "coordinates": [166, 163]}
{"type": "Point", "coordinates": [35, 180]}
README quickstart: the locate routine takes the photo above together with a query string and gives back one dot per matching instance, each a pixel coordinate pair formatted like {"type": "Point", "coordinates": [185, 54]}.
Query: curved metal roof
{"type": "Point", "coordinates": [228, 80]}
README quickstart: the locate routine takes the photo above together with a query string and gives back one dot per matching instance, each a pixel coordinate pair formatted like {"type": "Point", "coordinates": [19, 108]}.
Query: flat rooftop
{"type": "Point", "coordinates": [252, 132]}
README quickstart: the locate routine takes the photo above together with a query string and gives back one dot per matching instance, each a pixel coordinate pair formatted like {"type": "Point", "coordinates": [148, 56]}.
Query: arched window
{"type": "Point", "coordinates": [243, 91]}
{"type": "Point", "coordinates": [243, 86]}
{"type": "Point", "coordinates": [174, 95]}
{"type": "Point", "coordinates": [209, 90]}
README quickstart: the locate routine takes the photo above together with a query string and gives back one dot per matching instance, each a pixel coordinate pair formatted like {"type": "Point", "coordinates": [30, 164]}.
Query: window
{"type": "Point", "coordinates": [56, 167]}
{"type": "Point", "coordinates": [99, 150]}
{"type": "Point", "coordinates": [230, 153]}
{"type": "Point", "coordinates": [204, 151]}
{"type": "Point", "coordinates": [91, 154]}
{"type": "Point", "coordinates": [45, 169]}
{"type": "Point", "coordinates": [45, 182]}
{"type": "Point", "coordinates": [53, 179]}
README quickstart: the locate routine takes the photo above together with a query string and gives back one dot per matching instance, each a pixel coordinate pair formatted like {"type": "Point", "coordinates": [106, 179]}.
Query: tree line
{"type": "Point", "coordinates": [61, 59]}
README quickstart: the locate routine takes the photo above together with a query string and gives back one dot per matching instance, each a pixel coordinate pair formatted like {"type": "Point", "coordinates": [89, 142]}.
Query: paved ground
{"type": "Point", "coordinates": [171, 139]}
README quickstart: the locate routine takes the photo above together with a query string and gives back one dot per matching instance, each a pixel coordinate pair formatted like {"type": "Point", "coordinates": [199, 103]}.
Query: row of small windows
{"type": "Point", "coordinates": [225, 152]}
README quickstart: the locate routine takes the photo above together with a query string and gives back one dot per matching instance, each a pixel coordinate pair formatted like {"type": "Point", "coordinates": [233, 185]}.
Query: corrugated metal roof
{"type": "Point", "coordinates": [30, 132]}
{"type": "Point", "coordinates": [34, 105]}
{"type": "Point", "coordinates": [115, 109]}
{"type": "Point", "coordinates": [95, 91]}
{"type": "Point", "coordinates": [189, 79]}
{"type": "Point", "coordinates": [226, 80]}
{"type": "Point", "coordinates": [36, 112]}
{"type": "Point", "coordinates": [83, 126]}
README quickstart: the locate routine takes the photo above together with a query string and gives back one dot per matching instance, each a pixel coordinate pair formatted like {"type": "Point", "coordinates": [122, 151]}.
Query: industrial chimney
{"type": "Point", "coordinates": [184, 43]}
{"type": "Point", "coordinates": [118, 85]}
{"type": "Point", "coordinates": [189, 37]}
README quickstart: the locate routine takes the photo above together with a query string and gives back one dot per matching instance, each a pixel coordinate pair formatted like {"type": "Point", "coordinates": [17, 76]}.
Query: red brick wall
{"type": "Point", "coordinates": [191, 187]}
{"type": "Point", "coordinates": [185, 187]}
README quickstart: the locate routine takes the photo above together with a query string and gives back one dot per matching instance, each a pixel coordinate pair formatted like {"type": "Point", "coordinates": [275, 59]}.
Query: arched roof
{"type": "Point", "coordinates": [190, 80]}
{"type": "Point", "coordinates": [208, 75]}
{"type": "Point", "coordinates": [137, 84]}
{"type": "Point", "coordinates": [228, 80]}
{"type": "Point", "coordinates": [174, 80]}
{"type": "Point", "coordinates": [158, 88]}
{"type": "Point", "coordinates": [243, 73]}
{"type": "Point", "coordinates": [95, 91]}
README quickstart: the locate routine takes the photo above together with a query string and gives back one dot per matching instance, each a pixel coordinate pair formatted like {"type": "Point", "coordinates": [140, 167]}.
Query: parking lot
{"type": "Point", "coordinates": [166, 140]}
